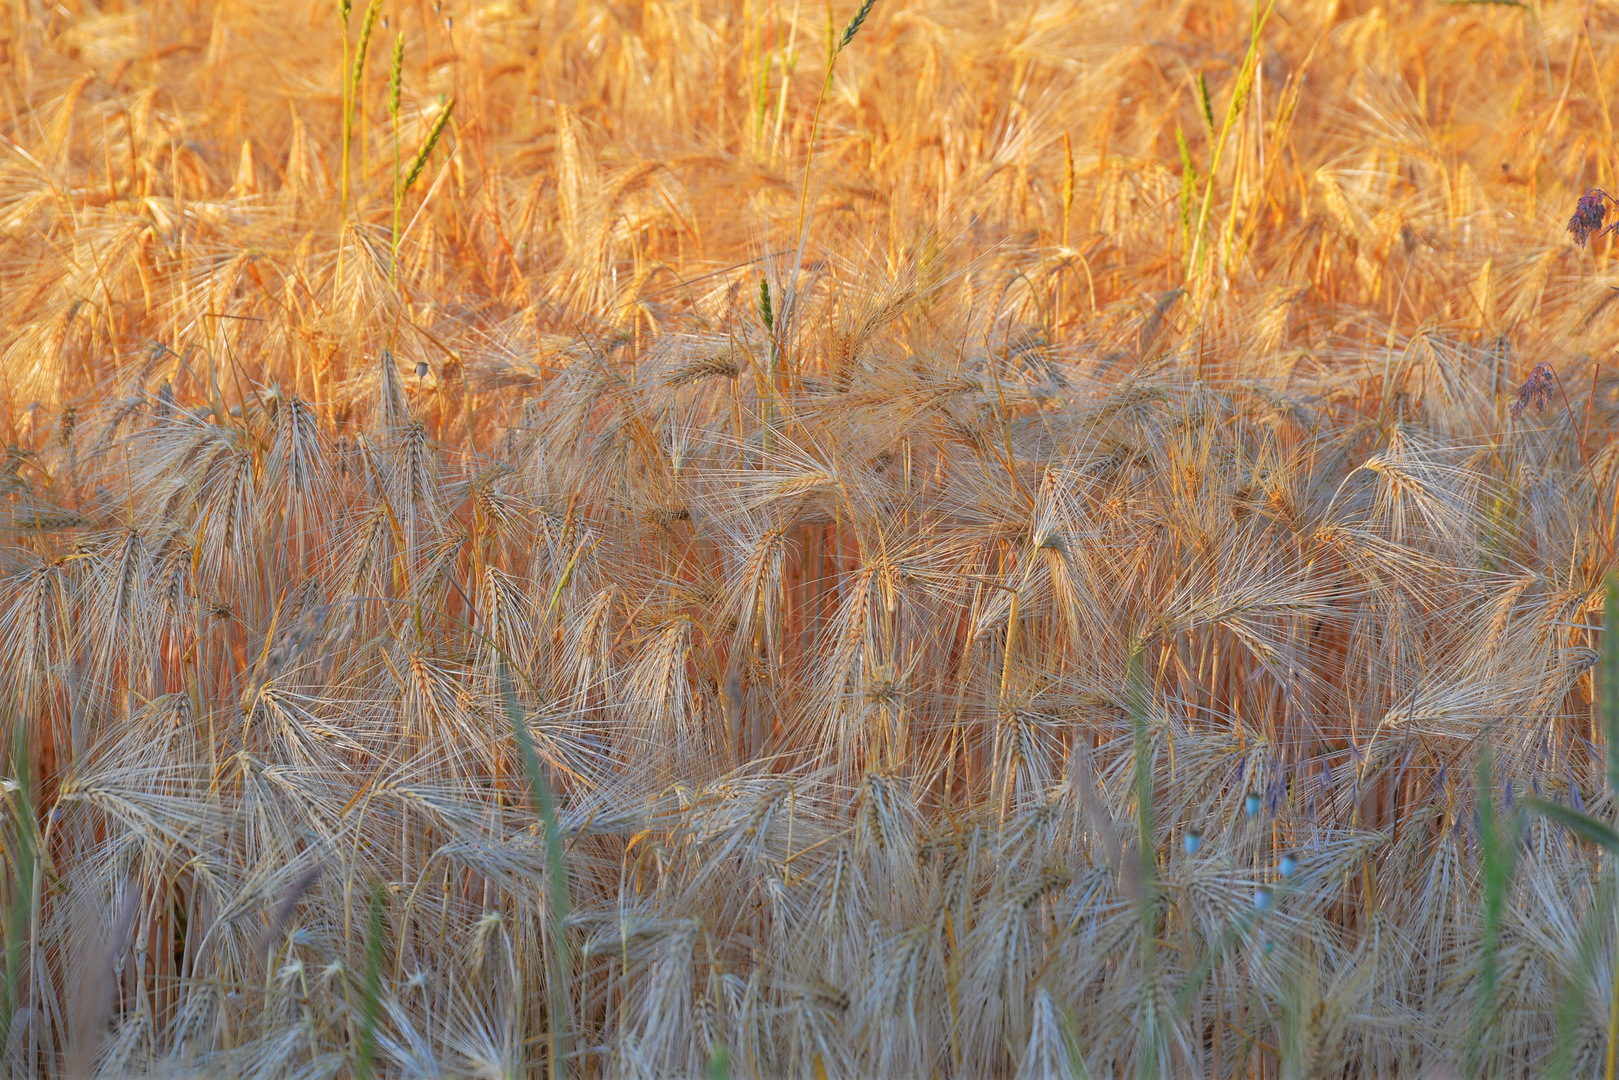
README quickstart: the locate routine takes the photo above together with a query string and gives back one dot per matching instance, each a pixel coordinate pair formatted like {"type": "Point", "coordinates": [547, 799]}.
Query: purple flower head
{"type": "Point", "coordinates": [1536, 390]}
{"type": "Point", "coordinates": [1588, 215]}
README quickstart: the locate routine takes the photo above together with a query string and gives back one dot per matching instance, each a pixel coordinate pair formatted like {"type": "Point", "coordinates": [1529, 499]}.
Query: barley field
{"type": "Point", "coordinates": [750, 538]}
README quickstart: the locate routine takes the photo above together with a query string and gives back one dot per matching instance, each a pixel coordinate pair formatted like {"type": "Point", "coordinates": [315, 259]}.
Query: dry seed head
{"type": "Point", "coordinates": [1067, 184]}
{"type": "Point", "coordinates": [1536, 390]}
{"type": "Point", "coordinates": [708, 368]}
{"type": "Point", "coordinates": [1067, 173]}
{"type": "Point", "coordinates": [1589, 213]}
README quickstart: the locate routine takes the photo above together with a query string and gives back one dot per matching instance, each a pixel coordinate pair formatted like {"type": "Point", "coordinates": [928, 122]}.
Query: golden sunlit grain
{"type": "Point", "coordinates": [746, 538]}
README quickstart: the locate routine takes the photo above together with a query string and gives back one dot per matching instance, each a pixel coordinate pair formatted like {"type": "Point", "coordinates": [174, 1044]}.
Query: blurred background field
{"type": "Point", "coordinates": [759, 538]}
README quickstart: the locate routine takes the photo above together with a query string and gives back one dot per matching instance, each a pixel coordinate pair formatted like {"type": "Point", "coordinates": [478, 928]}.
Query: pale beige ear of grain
{"type": "Point", "coordinates": [94, 952]}
{"type": "Point", "coordinates": [576, 178]}
{"type": "Point", "coordinates": [247, 180]}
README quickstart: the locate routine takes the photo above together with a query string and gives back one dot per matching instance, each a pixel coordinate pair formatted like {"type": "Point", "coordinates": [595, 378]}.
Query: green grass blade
{"type": "Point", "coordinates": [1584, 826]}
{"type": "Point", "coordinates": [372, 1002]}
{"type": "Point", "coordinates": [20, 909]}
{"type": "Point", "coordinates": [558, 965]}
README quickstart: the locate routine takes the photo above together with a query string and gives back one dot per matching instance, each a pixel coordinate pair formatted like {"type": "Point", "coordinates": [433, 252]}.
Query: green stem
{"type": "Point", "coordinates": [1233, 111]}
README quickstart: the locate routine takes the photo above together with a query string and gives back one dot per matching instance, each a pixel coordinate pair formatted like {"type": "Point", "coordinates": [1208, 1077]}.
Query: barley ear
{"type": "Point", "coordinates": [1067, 185]}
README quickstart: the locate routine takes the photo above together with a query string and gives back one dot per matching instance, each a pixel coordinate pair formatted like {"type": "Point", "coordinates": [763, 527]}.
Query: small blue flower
{"type": "Point", "coordinates": [1261, 899]}
{"type": "Point", "coordinates": [1192, 841]}
{"type": "Point", "coordinates": [1251, 804]}
{"type": "Point", "coordinates": [1288, 865]}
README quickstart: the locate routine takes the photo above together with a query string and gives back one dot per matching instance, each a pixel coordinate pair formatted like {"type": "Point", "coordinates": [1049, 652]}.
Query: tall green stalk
{"type": "Point", "coordinates": [1498, 843]}
{"type": "Point", "coordinates": [1146, 863]}
{"type": "Point", "coordinates": [371, 1008]}
{"type": "Point", "coordinates": [395, 88]}
{"type": "Point", "coordinates": [356, 74]}
{"type": "Point", "coordinates": [344, 9]}
{"type": "Point", "coordinates": [20, 905]}
{"type": "Point", "coordinates": [1239, 99]}
{"type": "Point", "coordinates": [351, 105]}
{"type": "Point", "coordinates": [834, 50]}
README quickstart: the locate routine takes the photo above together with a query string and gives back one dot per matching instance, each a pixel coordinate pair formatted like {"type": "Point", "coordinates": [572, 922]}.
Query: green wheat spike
{"type": "Point", "coordinates": [1188, 187]}
{"type": "Point", "coordinates": [422, 155]}
{"type": "Point", "coordinates": [855, 23]}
